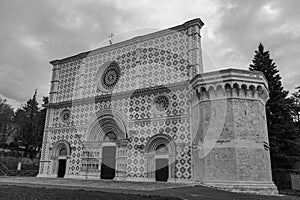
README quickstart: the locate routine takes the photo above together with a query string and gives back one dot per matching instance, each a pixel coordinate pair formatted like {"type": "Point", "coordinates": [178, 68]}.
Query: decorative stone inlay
{"type": "Point", "coordinates": [149, 98]}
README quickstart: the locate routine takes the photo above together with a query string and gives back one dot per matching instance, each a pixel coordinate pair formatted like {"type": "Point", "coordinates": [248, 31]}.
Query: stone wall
{"type": "Point", "coordinates": [168, 56]}
{"type": "Point", "coordinates": [142, 120]}
{"type": "Point", "coordinates": [231, 146]}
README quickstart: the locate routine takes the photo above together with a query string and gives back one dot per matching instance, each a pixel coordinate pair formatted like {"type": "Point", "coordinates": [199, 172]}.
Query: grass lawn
{"type": "Point", "coordinates": [22, 192]}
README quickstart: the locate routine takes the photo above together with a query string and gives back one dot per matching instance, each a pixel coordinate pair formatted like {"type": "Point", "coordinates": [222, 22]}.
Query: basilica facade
{"type": "Point", "coordinates": [143, 110]}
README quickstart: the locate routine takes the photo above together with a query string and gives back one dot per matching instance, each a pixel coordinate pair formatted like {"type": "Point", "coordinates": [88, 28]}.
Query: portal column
{"type": "Point", "coordinates": [172, 168]}
{"type": "Point", "coordinates": [121, 159]}
{"type": "Point", "coordinates": [150, 167]}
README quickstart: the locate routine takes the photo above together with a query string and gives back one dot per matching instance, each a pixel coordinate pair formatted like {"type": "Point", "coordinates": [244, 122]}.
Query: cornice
{"type": "Point", "coordinates": [229, 83]}
{"type": "Point", "coordinates": [136, 121]}
{"type": "Point", "coordinates": [108, 96]}
{"type": "Point", "coordinates": [135, 40]}
{"type": "Point", "coordinates": [227, 75]}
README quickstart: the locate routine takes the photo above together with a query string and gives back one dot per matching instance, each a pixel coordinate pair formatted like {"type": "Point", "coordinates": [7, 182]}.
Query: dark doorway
{"type": "Point", "coordinates": [61, 168]}
{"type": "Point", "coordinates": [108, 164]}
{"type": "Point", "coordinates": [162, 169]}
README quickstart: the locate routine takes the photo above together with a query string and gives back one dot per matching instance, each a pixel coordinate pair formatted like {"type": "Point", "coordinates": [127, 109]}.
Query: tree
{"type": "Point", "coordinates": [280, 123]}
{"type": "Point", "coordinates": [6, 116]}
{"type": "Point", "coordinates": [30, 121]}
{"type": "Point", "coordinates": [295, 98]}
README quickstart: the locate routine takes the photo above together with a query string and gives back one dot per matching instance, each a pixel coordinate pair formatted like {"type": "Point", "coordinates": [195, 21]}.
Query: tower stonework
{"type": "Point", "coordinates": [143, 110]}
{"type": "Point", "coordinates": [231, 149]}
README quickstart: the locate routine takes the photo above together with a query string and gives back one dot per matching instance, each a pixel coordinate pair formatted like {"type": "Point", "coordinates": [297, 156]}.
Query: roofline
{"type": "Point", "coordinates": [219, 74]}
{"type": "Point", "coordinates": [183, 26]}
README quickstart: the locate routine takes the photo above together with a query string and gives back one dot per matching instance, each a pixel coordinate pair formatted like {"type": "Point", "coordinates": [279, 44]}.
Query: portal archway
{"type": "Point", "coordinates": [61, 152]}
{"type": "Point", "coordinates": [108, 120]}
{"type": "Point", "coordinates": [105, 138]}
{"type": "Point", "coordinates": [160, 158]}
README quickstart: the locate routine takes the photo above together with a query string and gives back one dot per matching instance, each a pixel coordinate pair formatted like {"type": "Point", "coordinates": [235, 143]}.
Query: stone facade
{"type": "Point", "coordinates": [143, 110]}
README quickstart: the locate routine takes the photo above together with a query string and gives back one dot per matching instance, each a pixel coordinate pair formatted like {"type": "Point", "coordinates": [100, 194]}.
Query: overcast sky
{"type": "Point", "coordinates": [33, 32]}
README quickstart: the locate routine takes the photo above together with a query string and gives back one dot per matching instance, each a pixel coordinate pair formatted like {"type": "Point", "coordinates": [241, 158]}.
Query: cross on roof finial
{"type": "Point", "coordinates": [111, 36]}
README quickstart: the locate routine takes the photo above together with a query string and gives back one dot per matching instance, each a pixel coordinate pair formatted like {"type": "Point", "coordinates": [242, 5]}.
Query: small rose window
{"type": "Point", "coordinates": [162, 103]}
{"type": "Point", "coordinates": [65, 116]}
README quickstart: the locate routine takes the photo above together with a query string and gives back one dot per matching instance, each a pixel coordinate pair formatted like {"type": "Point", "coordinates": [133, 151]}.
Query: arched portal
{"type": "Point", "coordinates": [108, 120]}
{"type": "Point", "coordinates": [105, 139]}
{"type": "Point", "coordinates": [61, 152]}
{"type": "Point", "coordinates": [160, 158]}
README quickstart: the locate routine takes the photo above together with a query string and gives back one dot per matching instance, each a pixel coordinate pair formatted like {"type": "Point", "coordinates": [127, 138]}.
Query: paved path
{"type": "Point", "coordinates": [183, 191]}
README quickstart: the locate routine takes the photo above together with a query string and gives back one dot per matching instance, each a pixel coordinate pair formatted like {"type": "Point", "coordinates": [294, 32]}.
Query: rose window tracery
{"type": "Point", "coordinates": [110, 76]}
{"type": "Point", "coordinates": [161, 103]}
{"type": "Point", "coordinates": [65, 116]}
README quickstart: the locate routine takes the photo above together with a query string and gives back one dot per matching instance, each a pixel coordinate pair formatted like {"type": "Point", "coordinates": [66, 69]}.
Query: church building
{"type": "Point", "coordinates": [144, 110]}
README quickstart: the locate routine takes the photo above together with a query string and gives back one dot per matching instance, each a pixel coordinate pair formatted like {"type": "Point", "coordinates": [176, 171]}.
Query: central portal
{"type": "Point", "coordinates": [104, 137]}
{"type": "Point", "coordinates": [108, 165]}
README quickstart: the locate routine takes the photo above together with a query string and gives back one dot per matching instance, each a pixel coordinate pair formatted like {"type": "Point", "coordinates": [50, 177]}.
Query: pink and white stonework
{"type": "Point", "coordinates": [143, 110]}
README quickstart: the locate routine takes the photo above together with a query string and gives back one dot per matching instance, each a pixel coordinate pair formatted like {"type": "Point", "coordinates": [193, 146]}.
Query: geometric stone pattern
{"type": "Point", "coordinates": [177, 128]}
{"type": "Point", "coordinates": [151, 92]}
{"type": "Point", "coordinates": [141, 117]}
{"type": "Point", "coordinates": [158, 61]}
{"type": "Point", "coordinates": [146, 81]}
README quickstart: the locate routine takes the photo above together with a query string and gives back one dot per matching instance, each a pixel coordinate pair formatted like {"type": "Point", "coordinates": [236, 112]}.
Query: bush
{"type": "Point", "coordinates": [11, 163]}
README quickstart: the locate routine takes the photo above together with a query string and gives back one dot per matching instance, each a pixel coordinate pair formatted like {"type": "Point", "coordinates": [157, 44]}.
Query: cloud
{"type": "Point", "coordinates": [37, 31]}
{"type": "Point", "coordinates": [243, 24]}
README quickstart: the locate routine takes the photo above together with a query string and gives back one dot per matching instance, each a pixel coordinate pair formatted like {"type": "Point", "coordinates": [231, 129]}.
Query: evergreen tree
{"type": "Point", "coordinates": [30, 121]}
{"type": "Point", "coordinates": [31, 107]}
{"type": "Point", "coordinates": [6, 116]}
{"type": "Point", "coordinates": [296, 108]}
{"type": "Point", "coordinates": [281, 128]}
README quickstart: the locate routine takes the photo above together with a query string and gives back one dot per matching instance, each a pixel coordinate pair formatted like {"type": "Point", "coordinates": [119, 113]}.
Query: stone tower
{"type": "Point", "coordinates": [230, 143]}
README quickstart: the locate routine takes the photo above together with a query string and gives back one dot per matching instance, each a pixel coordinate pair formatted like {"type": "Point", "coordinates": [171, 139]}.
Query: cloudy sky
{"type": "Point", "coordinates": [33, 32]}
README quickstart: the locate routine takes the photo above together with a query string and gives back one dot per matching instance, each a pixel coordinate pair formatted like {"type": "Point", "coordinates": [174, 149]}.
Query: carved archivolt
{"type": "Point", "coordinates": [58, 146]}
{"type": "Point", "coordinates": [107, 122]}
{"type": "Point", "coordinates": [160, 139]}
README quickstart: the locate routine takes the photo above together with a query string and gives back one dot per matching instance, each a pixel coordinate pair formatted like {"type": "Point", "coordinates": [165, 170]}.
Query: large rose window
{"type": "Point", "coordinates": [109, 77]}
